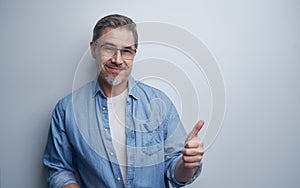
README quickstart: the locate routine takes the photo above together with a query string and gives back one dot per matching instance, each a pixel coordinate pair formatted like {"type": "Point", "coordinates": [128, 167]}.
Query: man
{"type": "Point", "coordinates": [118, 132]}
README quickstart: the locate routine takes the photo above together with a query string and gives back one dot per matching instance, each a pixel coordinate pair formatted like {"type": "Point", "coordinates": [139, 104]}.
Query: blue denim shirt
{"type": "Point", "coordinates": [80, 149]}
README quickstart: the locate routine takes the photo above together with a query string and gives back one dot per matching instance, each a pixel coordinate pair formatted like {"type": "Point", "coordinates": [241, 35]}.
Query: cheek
{"type": "Point", "coordinates": [129, 64]}
{"type": "Point", "coordinates": [129, 70]}
{"type": "Point", "coordinates": [100, 61]}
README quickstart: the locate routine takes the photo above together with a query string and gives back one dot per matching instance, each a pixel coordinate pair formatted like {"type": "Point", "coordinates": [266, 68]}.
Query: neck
{"type": "Point", "coordinates": [112, 91]}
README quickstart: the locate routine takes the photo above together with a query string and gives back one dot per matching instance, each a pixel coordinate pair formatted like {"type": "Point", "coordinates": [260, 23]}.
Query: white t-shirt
{"type": "Point", "coordinates": [116, 113]}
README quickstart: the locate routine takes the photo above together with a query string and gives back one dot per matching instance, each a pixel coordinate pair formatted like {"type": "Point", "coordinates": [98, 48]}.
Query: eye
{"type": "Point", "coordinates": [108, 49]}
{"type": "Point", "coordinates": [128, 52]}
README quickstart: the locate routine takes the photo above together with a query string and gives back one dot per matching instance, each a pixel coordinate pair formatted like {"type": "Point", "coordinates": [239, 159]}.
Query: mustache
{"type": "Point", "coordinates": [116, 66]}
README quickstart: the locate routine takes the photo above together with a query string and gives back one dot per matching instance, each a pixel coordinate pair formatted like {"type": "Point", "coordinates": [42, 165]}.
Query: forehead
{"type": "Point", "coordinates": [118, 36]}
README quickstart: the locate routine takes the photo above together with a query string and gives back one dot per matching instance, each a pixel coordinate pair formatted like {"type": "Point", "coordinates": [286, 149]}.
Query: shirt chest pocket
{"type": "Point", "coordinates": [151, 142]}
{"type": "Point", "coordinates": [151, 138]}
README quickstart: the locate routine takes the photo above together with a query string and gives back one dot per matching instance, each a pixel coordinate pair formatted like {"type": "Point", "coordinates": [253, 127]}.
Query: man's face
{"type": "Point", "coordinates": [115, 65]}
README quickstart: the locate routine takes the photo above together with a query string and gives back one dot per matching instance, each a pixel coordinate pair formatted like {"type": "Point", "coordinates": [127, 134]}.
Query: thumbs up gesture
{"type": "Point", "coordinates": [193, 150]}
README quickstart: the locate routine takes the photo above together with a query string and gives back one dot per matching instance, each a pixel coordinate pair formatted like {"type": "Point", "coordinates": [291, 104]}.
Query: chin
{"type": "Point", "coordinates": [113, 82]}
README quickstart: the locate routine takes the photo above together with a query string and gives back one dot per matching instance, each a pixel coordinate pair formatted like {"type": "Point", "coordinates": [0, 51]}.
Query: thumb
{"type": "Point", "coordinates": [195, 131]}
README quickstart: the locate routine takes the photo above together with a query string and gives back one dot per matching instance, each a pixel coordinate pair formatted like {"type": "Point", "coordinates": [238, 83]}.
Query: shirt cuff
{"type": "Point", "coordinates": [61, 179]}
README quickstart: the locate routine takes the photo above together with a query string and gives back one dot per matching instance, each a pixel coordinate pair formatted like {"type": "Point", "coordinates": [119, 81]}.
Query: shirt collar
{"type": "Point", "coordinates": [131, 88]}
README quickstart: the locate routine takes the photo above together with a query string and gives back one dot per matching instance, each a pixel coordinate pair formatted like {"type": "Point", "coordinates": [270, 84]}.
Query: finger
{"type": "Point", "coordinates": [195, 130]}
{"type": "Point", "coordinates": [191, 162]}
{"type": "Point", "coordinates": [192, 159]}
{"type": "Point", "coordinates": [193, 151]}
{"type": "Point", "coordinates": [192, 165]}
{"type": "Point", "coordinates": [194, 143]}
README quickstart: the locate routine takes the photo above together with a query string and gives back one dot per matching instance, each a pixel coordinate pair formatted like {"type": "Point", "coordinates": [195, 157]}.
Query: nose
{"type": "Point", "coordinates": [117, 58]}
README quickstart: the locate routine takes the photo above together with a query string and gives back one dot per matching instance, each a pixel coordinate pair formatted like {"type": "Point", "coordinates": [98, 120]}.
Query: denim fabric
{"type": "Point", "coordinates": [80, 149]}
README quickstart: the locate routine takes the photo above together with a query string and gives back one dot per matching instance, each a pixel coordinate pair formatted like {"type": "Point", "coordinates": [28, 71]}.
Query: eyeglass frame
{"type": "Point", "coordinates": [117, 49]}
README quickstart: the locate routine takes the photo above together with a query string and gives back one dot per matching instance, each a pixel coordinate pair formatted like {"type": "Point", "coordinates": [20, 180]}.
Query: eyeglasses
{"type": "Point", "coordinates": [109, 50]}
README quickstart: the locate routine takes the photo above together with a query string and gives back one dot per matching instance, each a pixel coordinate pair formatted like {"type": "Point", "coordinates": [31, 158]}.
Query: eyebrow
{"type": "Point", "coordinates": [125, 47]}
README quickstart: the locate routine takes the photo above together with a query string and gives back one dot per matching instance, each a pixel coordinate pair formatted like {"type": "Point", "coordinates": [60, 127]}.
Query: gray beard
{"type": "Point", "coordinates": [112, 82]}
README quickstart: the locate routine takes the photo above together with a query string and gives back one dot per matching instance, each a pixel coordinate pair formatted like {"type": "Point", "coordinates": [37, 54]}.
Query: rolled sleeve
{"type": "Point", "coordinates": [59, 154]}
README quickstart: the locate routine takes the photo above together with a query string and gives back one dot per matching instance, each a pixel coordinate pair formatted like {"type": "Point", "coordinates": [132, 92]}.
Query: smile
{"type": "Point", "coordinates": [114, 69]}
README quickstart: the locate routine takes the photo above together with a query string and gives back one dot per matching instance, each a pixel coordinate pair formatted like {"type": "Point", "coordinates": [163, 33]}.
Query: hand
{"type": "Point", "coordinates": [193, 150]}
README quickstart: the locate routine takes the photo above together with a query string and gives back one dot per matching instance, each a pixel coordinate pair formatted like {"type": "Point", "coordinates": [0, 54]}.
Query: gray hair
{"type": "Point", "coordinates": [115, 21]}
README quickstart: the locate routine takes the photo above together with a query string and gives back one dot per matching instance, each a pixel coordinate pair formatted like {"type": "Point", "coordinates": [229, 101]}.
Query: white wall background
{"type": "Point", "coordinates": [256, 43]}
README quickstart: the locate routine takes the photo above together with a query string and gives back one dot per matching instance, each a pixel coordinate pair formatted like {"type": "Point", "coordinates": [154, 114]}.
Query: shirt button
{"type": "Point", "coordinates": [111, 153]}
{"type": "Point", "coordinates": [105, 130]}
{"type": "Point", "coordinates": [103, 108]}
{"type": "Point", "coordinates": [119, 178]}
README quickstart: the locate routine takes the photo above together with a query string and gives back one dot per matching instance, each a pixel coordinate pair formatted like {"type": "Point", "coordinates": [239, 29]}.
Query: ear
{"type": "Point", "coordinates": [92, 47]}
